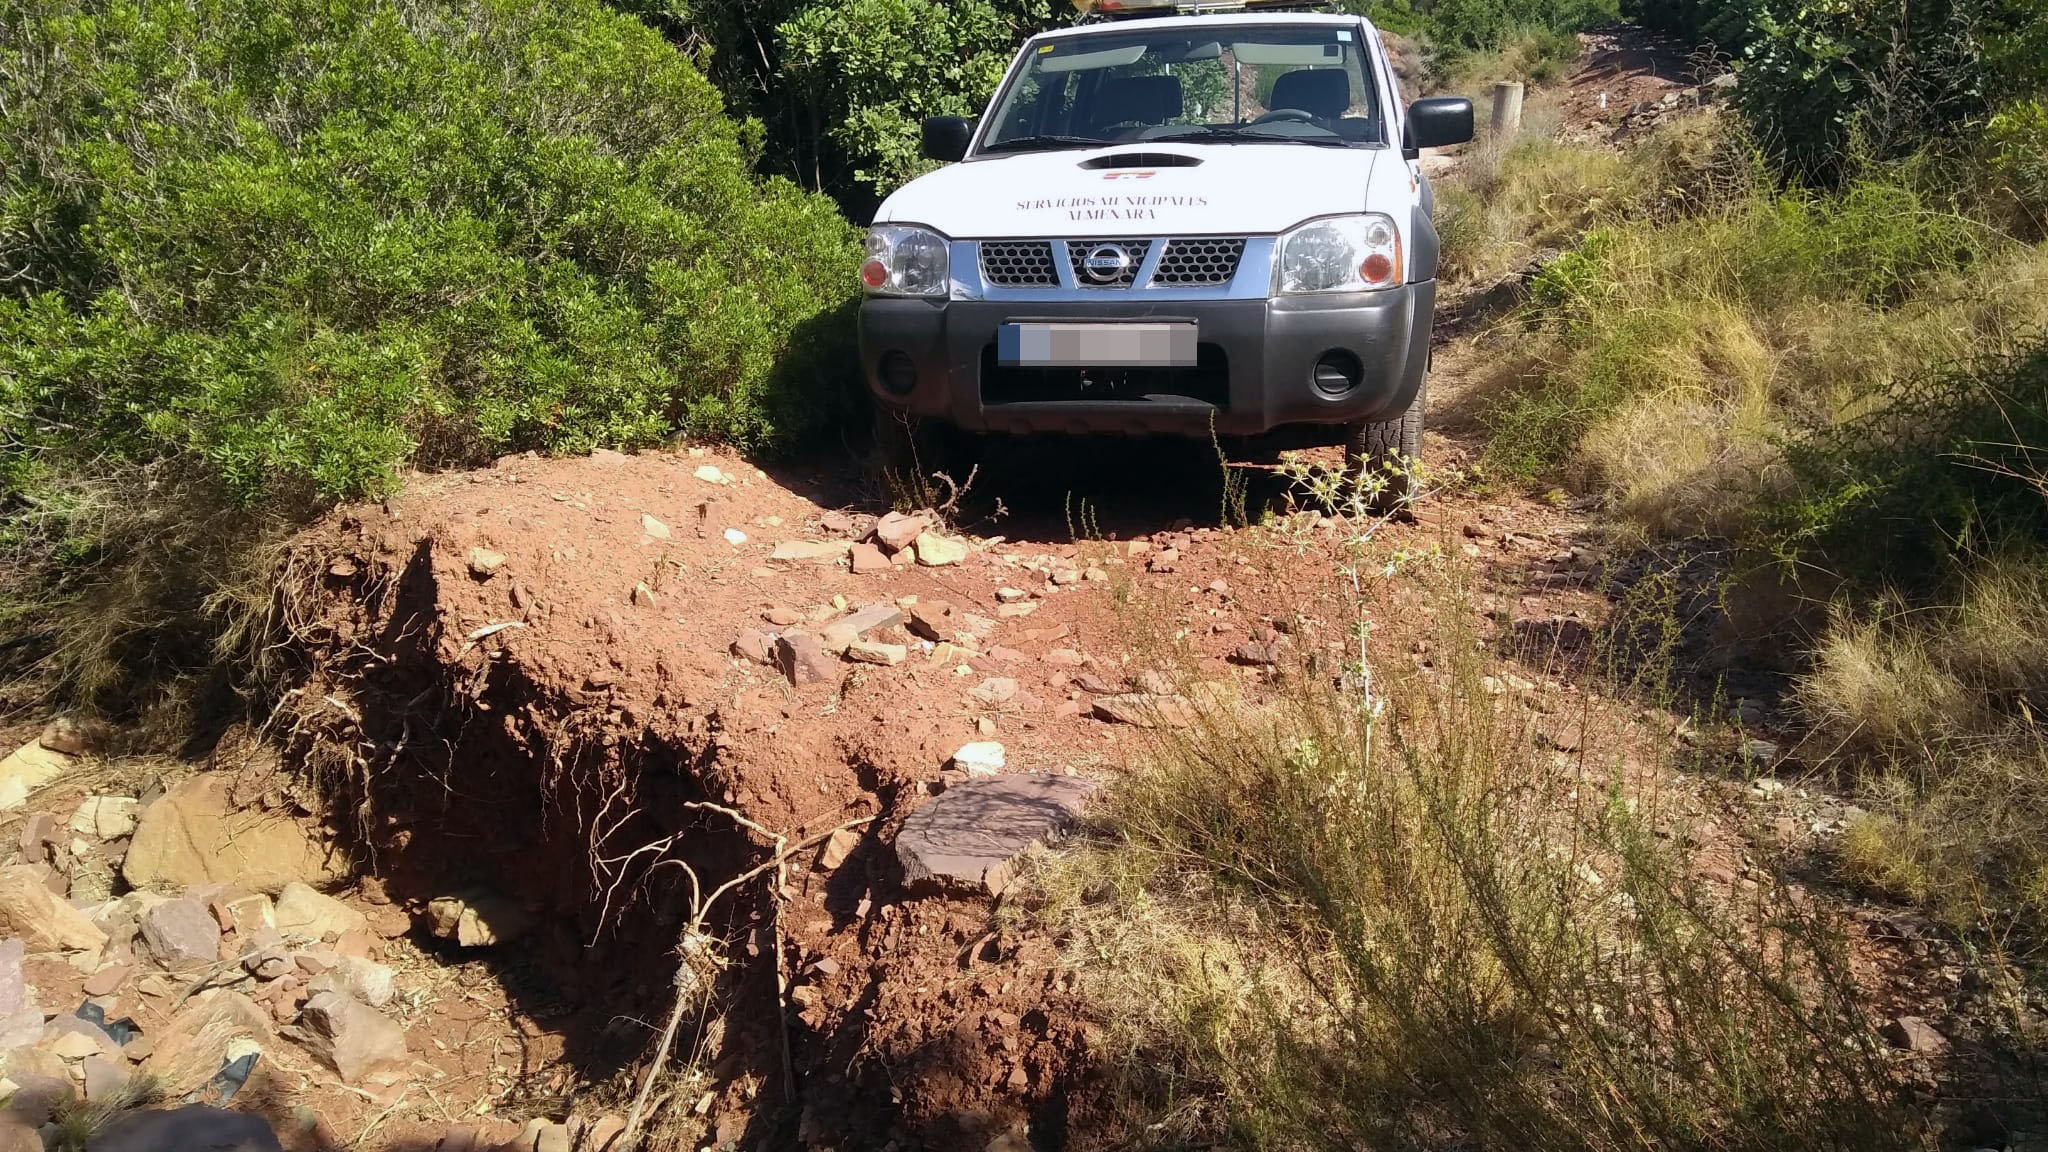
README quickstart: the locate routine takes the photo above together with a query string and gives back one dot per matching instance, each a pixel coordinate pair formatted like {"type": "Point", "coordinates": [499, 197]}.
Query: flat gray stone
{"type": "Point", "coordinates": [843, 633]}
{"type": "Point", "coordinates": [969, 838]}
{"type": "Point", "coordinates": [192, 1128]}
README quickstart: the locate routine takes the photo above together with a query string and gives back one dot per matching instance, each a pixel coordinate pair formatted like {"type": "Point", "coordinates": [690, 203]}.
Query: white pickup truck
{"type": "Point", "coordinates": [1208, 224]}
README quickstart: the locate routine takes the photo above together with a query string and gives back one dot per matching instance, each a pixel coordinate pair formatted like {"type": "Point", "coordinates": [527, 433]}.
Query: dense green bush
{"type": "Point", "coordinates": [840, 86]}
{"type": "Point", "coordinates": [278, 251]}
{"type": "Point", "coordinates": [1826, 85]}
{"type": "Point", "coordinates": [307, 241]}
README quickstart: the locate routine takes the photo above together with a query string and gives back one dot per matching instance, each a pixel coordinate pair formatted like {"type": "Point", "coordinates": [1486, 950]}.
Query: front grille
{"type": "Point", "coordinates": [1134, 251]}
{"type": "Point", "coordinates": [1018, 263]}
{"type": "Point", "coordinates": [1208, 261]}
{"type": "Point", "coordinates": [1208, 381]}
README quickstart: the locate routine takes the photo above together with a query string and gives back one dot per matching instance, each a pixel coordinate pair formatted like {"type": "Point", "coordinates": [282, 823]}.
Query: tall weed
{"type": "Point", "coordinates": [1367, 921]}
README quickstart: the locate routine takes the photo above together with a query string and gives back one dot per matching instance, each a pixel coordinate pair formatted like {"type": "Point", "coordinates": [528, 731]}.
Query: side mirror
{"type": "Point", "coordinates": [945, 138]}
{"type": "Point", "coordinates": [1439, 122]}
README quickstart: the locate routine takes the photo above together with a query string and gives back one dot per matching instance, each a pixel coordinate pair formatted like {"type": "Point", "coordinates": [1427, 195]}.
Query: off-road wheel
{"type": "Point", "coordinates": [1384, 454]}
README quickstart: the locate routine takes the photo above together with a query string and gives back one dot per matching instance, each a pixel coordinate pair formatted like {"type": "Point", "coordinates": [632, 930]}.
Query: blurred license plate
{"type": "Point", "coordinates": [1165, 345]}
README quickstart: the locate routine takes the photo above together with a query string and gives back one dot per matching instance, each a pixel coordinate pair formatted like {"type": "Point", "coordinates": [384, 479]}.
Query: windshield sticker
{"type": "Point", "coordinates": [1112, 207]}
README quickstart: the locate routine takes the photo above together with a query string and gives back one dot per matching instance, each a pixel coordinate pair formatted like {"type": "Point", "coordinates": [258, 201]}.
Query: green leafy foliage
{"type": "Point", "coordinates": [307, 242]}
{"type": "Point", "coordinates": [1933, 468]}
{"type": "Point", "coordinates": [268, 254]}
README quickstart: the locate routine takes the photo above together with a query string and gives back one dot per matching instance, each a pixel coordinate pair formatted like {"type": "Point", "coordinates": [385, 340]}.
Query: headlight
{"type": "Point", "coordinates": [905, 261]}
{"type": "Point", "coordinates": [1341, 254]}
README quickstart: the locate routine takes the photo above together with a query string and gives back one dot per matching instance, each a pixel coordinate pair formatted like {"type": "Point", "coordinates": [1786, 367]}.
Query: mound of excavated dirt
{"type": "Point", "coordinates": [527, 685]}
{"type": "Point", "coordinates": [521, 679]}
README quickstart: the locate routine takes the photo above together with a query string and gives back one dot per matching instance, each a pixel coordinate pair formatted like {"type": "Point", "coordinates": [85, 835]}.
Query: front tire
{"type": "Point", "coordinates": [1384, 455]}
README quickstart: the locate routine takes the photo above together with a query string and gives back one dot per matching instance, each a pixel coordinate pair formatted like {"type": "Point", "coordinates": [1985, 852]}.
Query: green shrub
{"type": "Point", "coordinates": [2016, 147]}
{"type": "Point", "coordinates": [280, 251]}
{"type": "Point", "coordinates": [1930, 468]}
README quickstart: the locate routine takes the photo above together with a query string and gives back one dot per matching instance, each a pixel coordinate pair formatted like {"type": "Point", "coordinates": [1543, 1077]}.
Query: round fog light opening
{"type": "Point", "coordinates": [1337, 373]}
{"type": "Point", "coordinates": [899, 375]}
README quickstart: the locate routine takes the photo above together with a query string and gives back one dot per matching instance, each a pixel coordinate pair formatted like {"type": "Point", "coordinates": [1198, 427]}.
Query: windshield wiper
{"type": "Point", "coordinates": [1246, 133]}
{"type": "Point", "coordinates": [1040, 143]}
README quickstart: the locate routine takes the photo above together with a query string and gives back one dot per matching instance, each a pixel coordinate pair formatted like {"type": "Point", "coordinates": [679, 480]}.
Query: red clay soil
{"type": "Point", "coordinates": [530, 676]}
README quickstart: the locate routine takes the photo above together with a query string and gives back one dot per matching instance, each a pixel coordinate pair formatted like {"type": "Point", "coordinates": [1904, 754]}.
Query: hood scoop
{"type": "Point", "coordinates": [1142, 160]}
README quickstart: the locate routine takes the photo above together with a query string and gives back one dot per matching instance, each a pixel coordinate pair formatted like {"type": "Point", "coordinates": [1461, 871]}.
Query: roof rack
{"type": "Point", "coordinates": [1092, 10]}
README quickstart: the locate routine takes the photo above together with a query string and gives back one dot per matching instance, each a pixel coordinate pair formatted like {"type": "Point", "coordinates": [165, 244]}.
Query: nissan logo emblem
{"type": "Point", "coordinates": [1105, 263]}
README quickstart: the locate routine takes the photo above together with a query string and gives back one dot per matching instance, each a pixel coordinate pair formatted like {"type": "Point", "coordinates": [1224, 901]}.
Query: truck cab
{"type": "Point", "coordinates": [1170, 224]}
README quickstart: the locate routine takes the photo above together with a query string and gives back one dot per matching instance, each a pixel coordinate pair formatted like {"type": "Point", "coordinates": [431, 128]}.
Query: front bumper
{"type": "Point", "coordinates": [1257, 369]}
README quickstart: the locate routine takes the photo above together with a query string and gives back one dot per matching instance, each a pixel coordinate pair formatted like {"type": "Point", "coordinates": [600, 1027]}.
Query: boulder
{"type": "Point", "coordinates": [195, 1127]}
{"type": "Point", "coordinates": [193, 836]}
{"type": "Point", "coordinates": [40, 917]}
{"type": "Point", "coordinates": [182, 934]}
{"type": "Point", "coordinates": [358, 1042]}
{"type": "Point", "coordinates": [304, 914]}
{"type": "Point", "coordinates": [968, 840]}
{"type": "Point", "coordinates": [26, 769]}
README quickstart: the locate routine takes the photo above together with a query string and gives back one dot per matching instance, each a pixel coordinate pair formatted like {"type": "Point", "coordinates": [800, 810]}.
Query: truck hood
{"type": "Point", "coordinates": [1136, 189]}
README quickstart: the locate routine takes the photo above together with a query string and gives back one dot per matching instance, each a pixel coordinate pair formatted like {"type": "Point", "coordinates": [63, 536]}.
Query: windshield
{"type": "Point", "coordinates": [1233, 85]}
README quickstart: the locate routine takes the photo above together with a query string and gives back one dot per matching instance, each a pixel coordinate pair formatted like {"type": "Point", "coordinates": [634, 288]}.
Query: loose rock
{"type": "Point", "coordinates": [1146, 710]}
{"type": "Point", "coordinates": [871, 652]}
{"type": "Point", "coordinates": [981, 758]}
{"type": "Point", "coordinates": [841, 633]}
{"type": "Point", "coordinates": [476, 919]}
{"type": "Point", "coordinates": [193, 836]}
{"type": "Point", "coordinates": [305, 914]}
{"type": "Point", "coordinates": [969, 838]}
{"type": "Point", "coordinates": [484, 563]}
{"type": "Point", "coordinates": [936, 551]}
{"type": "Point", "coordinates": [756, 645]}
{"type": "Point", "coordinates": [809, 551]}
{"type": "Point", "coordinates": [41, 918]}
{"type": "Point", "coordinates": [26, 769]}
{"type": "Point", "coordinates": [804, 659]}
{"type": "Point", "coordinates": [837, 848]}
{"type": "Point", "coordinates": [652, 528]}
{"type": "Point", "coordinates": [107, 817]}
{"type": "Point", "coordinates": [351, 1037]}
{"type": "Point", "coordinates": [897, 531]}
{"type": "Point", "coordinates": [868, 559]}
{"type": "Point", "coordinates": [181, 934]}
